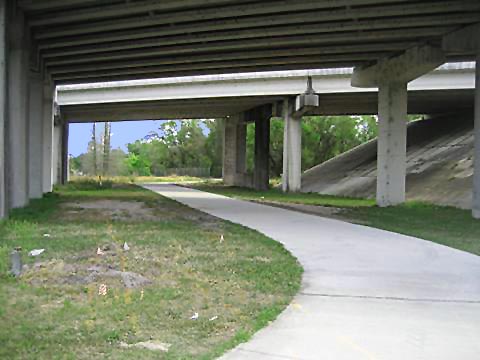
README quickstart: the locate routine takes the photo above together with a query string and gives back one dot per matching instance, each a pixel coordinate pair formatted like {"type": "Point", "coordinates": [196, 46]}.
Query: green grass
{"type": "Point", "coordinates": [441, 224]}
{"type": "Point", "coordinates": [135, 179]}
{"type": "Point", "coordinates": [52, 312]}
{"type": "Point", "coordinates": [278, 196]}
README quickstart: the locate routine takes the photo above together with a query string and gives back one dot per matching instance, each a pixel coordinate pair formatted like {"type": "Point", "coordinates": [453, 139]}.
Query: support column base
{"type": "Point", "coordinates": [476, 214]}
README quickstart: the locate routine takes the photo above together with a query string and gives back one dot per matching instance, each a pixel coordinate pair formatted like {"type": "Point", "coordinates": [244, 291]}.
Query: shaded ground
{"type": "Point", "coordinates": [86, 297]}
{"type": "Point", "coordinates": [441, 224]}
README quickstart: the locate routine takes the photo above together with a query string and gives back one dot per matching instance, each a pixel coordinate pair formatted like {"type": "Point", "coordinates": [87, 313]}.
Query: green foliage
{"type": "Point", "coordinates": [199, 144]}
{"type": "Point", "coordinates": [179, 146]}
{"type": "Point", "coordinates": [138, 165]}
{"type": "Point", "coordinates": [323, 137]}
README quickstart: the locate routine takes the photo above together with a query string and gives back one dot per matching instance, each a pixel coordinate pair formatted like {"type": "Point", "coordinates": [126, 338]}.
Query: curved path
{"type": "Point", "coordinates": [366, 293]}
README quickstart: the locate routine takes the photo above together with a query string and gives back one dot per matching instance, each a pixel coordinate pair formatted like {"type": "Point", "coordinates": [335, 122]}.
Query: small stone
{"type": "Point", "coordinates": [16, 259]}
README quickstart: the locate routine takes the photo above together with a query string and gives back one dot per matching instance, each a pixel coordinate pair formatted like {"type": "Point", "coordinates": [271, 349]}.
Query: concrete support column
{"type": "Point", "coordinates": [262, 149]}
{"type": "Point", "coordinates": [47, 133]}
{"type": "Point", "coordinates": [292, 149]}
{"type": "Point", "coordinates": [17, 135]}
{"type": "Point", "coordinates": [64, 155]}
{"type": "Point", "coordinates": [35, 155]}
{"type": "Point", "coordinates": [476, 176]}
{"type": "Point", "coordinates": [57, 154]}
{"type": "Point", "coordinates": [392, 143]}
{"type": "Point", "coordinates": [234, 151]}
{"type": "Point", "coordinates": [3, 109]}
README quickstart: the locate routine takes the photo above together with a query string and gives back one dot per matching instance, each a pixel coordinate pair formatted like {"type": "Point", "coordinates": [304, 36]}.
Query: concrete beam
{"type": "Point", "coordinates": [341, 31]}
{"type": "Point", "coordinates": [225, 67]}
{"type": "Point", "coordinates": [123, 9]}
{"type": "Point", "coordinates": [35, 154]}
{"type": "Point", "coordinates": [463, 40]}
{"type": "Point", "coordinates": [57, 4]}
{"type": "Point", "coordinates": [406, 67]}
{"type": "Point", "coordinates": [216, 51]}
{"type": "Point", "coordinates": [221, 66]}
{"type": "Point", "coordinates": [253, 84]}
{"type": "Point", "coordinates": [322, 33]}
{"type": "Point", "coordinates": [266, 13]}
{"type": "Point", "coordinates": [3, 109]}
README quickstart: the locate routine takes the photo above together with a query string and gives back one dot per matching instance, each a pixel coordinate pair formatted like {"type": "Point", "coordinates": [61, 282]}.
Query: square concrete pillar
{"type": "Point", "coordinates": [64, 154]}
{"type": "Point", "coordinates": [262, 148]}
{"type": "Point", "coordinates": [392, 143]}
{"type": "Point", "coordinates": [60, 152]}
{"type": "Point", "coordinates": [234, 151]}
{"type": "Point", "coordinates": [47, 133]}
{"type": "Point", "coordinates": [35, 118]}
{"type": "Point", "coordinates": [3, 110]}
{"type": "Point", "coordinates": [57, 154]}
{"type": "Point", "coordinates": [476, 176]}
{"type": "Point", "coordinates": [17, 135]}
{"type": "Point", "coordinates": [292, 149]}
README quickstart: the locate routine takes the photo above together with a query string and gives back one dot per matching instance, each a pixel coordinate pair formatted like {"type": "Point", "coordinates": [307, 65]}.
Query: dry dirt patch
{"type": "Point", "coordinates": [111, 210]}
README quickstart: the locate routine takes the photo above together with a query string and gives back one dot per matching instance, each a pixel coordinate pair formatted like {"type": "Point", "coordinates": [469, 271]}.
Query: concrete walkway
{"type": "Point", "coordinates": [366, 294]}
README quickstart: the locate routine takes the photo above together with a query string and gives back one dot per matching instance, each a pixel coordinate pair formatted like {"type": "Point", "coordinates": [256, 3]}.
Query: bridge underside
{"type": "Point", "coordinates": [388, 42]}
{"type": "Point", "coordinates": [419, 102]}
{"type": "Point", "coordinates": [86, 40]}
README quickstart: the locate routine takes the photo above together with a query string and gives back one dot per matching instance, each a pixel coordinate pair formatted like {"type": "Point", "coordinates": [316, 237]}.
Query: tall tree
{"type": "Point", "coordinates": [106, 148]}
{"type": "Point", "coordinates": [94, 148]}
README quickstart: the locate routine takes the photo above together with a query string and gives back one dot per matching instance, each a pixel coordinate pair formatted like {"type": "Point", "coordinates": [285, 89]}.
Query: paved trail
{"type": "Point", "coordinates": [366, 293]}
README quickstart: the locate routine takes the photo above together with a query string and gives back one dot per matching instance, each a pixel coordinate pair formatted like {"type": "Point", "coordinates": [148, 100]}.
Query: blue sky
{"type": "Point", "coordinates": [123, 133]}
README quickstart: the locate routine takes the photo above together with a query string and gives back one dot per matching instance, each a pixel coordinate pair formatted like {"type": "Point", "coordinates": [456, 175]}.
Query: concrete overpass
{"type": "Point", "coordinates": [449, 88]}
{"type": "Point", "coordinates": [389, 43]}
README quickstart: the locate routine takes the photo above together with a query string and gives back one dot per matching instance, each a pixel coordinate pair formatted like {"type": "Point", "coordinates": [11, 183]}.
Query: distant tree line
{"type": "Point", "coordinates": [199, 143]}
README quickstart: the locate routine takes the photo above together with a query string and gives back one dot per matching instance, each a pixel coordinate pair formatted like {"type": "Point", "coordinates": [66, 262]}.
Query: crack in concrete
{"type": "Point", "coordinates": [392, 298]}
{"type": "Point", "coordinates": [271, 355]}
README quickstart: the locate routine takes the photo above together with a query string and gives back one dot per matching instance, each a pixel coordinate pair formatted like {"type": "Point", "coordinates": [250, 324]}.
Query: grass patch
{"type": "Point", "coordinates": [54, 310]}
{"type": "Point", "coordinates": [278, 196]}
{"type": "Point", "coordinates": [104, 181]}
{"type": "Point", "coordinates": [441, 224]}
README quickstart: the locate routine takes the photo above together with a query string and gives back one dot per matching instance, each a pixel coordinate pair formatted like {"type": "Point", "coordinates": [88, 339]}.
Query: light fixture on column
{"type": "Point", "coordinates": [306, 101]}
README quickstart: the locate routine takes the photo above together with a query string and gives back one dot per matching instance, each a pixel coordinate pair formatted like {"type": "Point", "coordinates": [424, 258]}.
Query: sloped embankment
{"type": "Point", "coordinates": [439, 165]}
